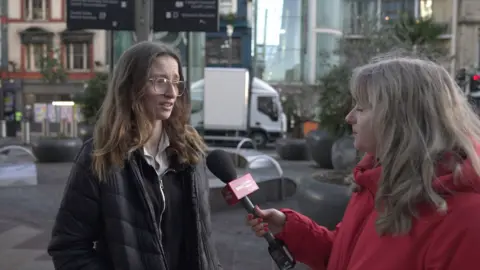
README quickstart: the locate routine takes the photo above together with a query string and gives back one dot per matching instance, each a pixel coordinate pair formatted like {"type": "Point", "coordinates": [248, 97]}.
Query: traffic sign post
{"type": "Point", "coordinates": [186, 16]}
{"type": "Point", "coordinates": [116, 15]}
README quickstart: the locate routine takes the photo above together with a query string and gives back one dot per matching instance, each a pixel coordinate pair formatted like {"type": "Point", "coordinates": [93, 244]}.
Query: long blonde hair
{"type": "Point", "coordinates": [124, 125]}
{"type": "Point", "coordinates": [419, 114]}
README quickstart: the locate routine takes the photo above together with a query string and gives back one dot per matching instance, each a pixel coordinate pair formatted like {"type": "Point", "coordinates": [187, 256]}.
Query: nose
{"type": "Point", "coordinates": [170, 91]}
{"type": "Point", "coordinates": [350, 118]}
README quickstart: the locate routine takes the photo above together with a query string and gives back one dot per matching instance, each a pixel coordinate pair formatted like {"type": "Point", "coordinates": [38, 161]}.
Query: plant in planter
{"type": "Point", "coordinates": [335, 102]}
{"type": "Point", "coordinates": [59, 148]}
{"type": "Point", "coordinates": [90, 101]}
{"type": "Point", "coordinates": [299, 108]}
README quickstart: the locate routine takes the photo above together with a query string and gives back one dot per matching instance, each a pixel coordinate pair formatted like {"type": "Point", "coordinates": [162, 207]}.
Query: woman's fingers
{"type": "Point", "coordinates": [257, 225]}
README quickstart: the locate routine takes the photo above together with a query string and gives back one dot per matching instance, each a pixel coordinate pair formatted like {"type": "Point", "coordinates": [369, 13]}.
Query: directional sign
{"type": "Point", "coordinates": [101, 14]}
{"type": "Point", "coordinates": [185, 15]}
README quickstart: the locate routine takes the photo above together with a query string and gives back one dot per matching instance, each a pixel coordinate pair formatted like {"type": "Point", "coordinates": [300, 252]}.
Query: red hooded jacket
{"type": "Point", "coordinates": [437, 241]}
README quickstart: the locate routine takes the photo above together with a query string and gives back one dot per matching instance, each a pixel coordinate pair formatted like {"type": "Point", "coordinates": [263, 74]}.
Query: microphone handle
{"type": "Point", "coordinates": [248, 205]}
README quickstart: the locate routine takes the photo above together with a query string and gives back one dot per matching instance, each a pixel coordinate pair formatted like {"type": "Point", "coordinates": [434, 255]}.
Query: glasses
{"type": "Point", "coordinates": [161, 85]}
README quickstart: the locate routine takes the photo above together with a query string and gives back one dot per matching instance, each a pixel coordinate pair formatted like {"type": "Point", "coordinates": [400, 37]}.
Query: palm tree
{"type": "Point", "coordinates": [419, 33]}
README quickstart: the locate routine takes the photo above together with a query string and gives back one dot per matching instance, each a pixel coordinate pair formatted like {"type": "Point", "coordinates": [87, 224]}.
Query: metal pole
{"type": "Point", "coordinates": [3, 124]}
{"type": "Point", "coordinates": [27, 135]}
{"type": "Point", "coordinates": [143, 20]}
{"type": "Point", "coordinates": [230, 51]}
{"type": "Point", "coordinates": [188, 58]}
{"type": "Point", "coordinates": [453, 40]}
{"type": "Point", "coordinates": [4, 50]}
{"type": "Point", "coordinates": [111, 51]}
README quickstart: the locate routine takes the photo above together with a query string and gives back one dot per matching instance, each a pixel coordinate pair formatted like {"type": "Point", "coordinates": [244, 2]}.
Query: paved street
{"type": "Point", "coordinates": [27, 213]}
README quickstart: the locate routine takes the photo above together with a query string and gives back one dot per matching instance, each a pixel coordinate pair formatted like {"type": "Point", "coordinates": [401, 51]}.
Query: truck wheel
{"type": "Point", "coordinates": [259, 138]}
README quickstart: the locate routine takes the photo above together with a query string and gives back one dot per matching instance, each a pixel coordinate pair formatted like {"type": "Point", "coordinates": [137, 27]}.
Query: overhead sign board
{"type": "Point", "coordinates": [185, 15]}
{"type": "Point", "coordinates": [101, 14]}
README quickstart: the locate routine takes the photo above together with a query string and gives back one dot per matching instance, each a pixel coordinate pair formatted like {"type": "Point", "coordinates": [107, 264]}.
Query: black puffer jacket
{"type": "Point", "coordinates": [111, 225]}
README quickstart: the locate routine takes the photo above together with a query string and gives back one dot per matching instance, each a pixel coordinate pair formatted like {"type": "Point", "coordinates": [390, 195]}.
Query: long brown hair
{"type": "Point", "coordinates": [124, 125]}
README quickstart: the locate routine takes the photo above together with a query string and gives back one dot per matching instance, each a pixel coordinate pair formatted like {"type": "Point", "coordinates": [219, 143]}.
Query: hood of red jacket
{"type": "Point", "coordinates": [367, 175]}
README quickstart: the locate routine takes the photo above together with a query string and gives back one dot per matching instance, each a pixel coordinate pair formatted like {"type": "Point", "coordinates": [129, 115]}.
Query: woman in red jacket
{"type": "Point", "coordinates": [417, 201]}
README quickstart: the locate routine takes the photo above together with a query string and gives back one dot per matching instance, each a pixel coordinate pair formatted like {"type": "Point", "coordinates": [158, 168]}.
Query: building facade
{"type": "Point", "coordinates": [37, 28]}
{"type": "Point", "coordinates": [463, 34]}
{"type": "Point", "coordinates": [466, 34]}
{"type": "Point", "coordinates": [278, 41]}
{"type": "Point", "coordinates": [235, 51]}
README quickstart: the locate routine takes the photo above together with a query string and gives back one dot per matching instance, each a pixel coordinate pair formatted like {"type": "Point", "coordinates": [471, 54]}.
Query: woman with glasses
{"type": "Point", "coordinates": [137, 195]}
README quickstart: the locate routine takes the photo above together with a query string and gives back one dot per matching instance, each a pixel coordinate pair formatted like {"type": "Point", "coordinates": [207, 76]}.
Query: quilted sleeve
{"type": "Point", "coordinates": [77, 225]}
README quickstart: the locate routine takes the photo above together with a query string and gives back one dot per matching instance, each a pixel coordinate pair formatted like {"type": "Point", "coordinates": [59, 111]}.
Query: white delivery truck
{"type": "Point", "coordinates": [222, 109]}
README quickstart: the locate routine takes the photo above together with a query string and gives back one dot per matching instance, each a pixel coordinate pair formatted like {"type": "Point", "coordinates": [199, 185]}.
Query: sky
{"type": "Point", "coordinates": [271, 22]}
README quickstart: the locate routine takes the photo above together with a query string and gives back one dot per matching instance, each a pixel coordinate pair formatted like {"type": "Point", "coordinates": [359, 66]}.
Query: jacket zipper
{"type": "Point", "coordinates": [152, 212]}
{"type": "Point", "coordinates": [162, 192]}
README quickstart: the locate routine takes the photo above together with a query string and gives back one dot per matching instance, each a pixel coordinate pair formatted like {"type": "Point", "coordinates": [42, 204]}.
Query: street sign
{"type": "Point", "coordinates": [101, 14]}
{"type": "Point", "coordinates": [185, 15]}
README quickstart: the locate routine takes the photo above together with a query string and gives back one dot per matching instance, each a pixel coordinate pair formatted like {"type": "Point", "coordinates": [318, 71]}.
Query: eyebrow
{"type": "Point", "coordinates": [163, 75]}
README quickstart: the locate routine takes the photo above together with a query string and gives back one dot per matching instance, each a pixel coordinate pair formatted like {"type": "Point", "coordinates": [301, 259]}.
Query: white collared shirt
{"type": "Point", "coordinates": [160, 161]}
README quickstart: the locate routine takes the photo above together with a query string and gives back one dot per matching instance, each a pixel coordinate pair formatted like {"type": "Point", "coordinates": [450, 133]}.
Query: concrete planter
{"type": "Point", "coordinates": [344, 154]}
{"type": "Point", "coordinates": [320, 143]}
{"type": "Point", "coordinates": [56, 149]}
{"type": "Point", "coordinates": [292, 149]}
{"type": "Point", "coordinates": [323, 197]}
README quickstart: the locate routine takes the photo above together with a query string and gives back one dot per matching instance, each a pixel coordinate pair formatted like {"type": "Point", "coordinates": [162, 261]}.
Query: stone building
{"type": "Point", "coordinates": [38, 27]}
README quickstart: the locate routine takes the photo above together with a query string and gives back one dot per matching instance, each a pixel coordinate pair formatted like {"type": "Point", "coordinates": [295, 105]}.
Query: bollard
{"type": "Point", "coordinates": [74, 129]}
{"type": "Point", "coordinates": [28, 135]}
{"type": "Point", "coordinates": [46, 125]}
{"type": "Point", "coordinates": [62, 127]}
{"type": "Point", "coordinates": [3, 127]}
{"type": "Point", "coordinates": [22, 131]}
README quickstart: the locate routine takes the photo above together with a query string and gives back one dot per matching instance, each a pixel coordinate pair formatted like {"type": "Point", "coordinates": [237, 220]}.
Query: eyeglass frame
{"type": "Point", "coordinates": [172, 83]}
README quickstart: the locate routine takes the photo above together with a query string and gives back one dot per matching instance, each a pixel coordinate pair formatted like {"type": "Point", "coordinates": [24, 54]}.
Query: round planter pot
{"type": "Point", "coordinates": [56, 149]}
{"type": "Point", "coordinates": [323, 199]}
{"type": "Point", "coordinates": [292, 149]}
{"type": "Point", "coordinates": [85, 131]}
{"type": "Point", "coordinates": [344, 154]}
{"type": "Point", "coordinates": [319, 144]}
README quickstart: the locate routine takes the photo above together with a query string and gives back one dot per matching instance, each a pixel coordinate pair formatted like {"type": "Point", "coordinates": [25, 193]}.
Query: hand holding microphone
{"type": "Point", "coordinates": [237, 190]}
{"type": "Point", "coordinates": [268, 220]}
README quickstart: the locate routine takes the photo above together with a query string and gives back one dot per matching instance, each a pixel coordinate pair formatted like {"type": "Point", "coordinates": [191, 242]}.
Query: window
{"type": "Point", "coordinates": [392, 9]}
{"type": "Point", "coordinates": [220, 52]}
{"type": "Point", "coordinates": [267, 106]}
{"type": "Point", "coordinates": [34, 55]}
{"type": "Point", "coordinates": [77, 56]}
{"type": "Point", "coordinates": [36, 9]}
{"type": "Point", "coordinates": [357, 13]}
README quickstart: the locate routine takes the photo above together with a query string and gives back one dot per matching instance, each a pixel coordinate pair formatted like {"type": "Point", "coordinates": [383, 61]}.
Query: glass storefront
{"type": "Point", "coordinates": [325, 51]}
{"type": "Point", "coordinates": [278, 40]}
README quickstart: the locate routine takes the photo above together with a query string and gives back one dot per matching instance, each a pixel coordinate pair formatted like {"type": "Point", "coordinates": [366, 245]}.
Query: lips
{"type": "Point", "coordinates": [166, 104]}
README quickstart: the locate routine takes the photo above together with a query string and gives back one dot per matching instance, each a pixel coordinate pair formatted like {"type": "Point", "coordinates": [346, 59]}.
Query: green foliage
{"type": "Point", "coordinates": [229, 18]}
{"type": "Point", "coordinates": [335, 101]}
{"type": "Point", "coordinates": [51, 68]}
{"type": "Point", "coordinates": [418, 31]}
{"type": "Point", "coordinates": [406, 36]}
{"type": "Point", "coordinates": [92, 97]}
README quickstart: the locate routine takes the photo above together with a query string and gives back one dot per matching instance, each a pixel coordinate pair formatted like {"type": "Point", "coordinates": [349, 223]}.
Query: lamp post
{"type": "Point", "coordinates": [230, 29]}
